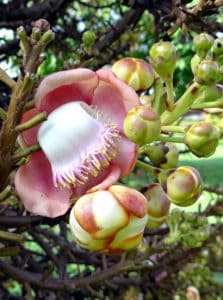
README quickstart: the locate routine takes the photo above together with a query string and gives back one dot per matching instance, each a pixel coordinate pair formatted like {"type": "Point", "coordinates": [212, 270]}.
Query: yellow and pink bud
{"type": "Point", "coordinates": [184, 186]}
{"type": "Point", "coordinates": [109, 221]}
{"type": "Point", "coordinates": [136, 72]}
{"type": "Point", "coordinates": [142, 125]}
{"type": "Point", "coordinates": [158, 205]}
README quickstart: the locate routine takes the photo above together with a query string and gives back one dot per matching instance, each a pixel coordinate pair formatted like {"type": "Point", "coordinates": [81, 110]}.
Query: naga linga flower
{"type": "Point", "coordinates": [78, 141]}
{"type": "Point", "coordinates": [83, 147]}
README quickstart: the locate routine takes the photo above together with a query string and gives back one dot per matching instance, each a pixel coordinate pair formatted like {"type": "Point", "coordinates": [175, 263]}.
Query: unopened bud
{"type": "Point", "coordinates": [162, 155]}
{"type": "Point", "coordinates": [158, 205]}
{"type": "Point", "coordinates": [142, 125]}
{"type": "Point", "coordinates": [202, 138]}
{"type": "Point", "coordinates": [136, 72]}
{"type": "Point", "coordinates": [202, 44]}
{"type": "Point", "coordinates": [163, 58]}
{"type": "Point", "coordinates": [184, 186]}
{"type": "Point", "coordinates": [208, 72]}
{"type": "Point", "coordinates": [109, 221]}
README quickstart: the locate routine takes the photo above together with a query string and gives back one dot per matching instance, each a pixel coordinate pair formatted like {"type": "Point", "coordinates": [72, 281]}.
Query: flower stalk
{"type": "Point", "coordinates": [32, 122]}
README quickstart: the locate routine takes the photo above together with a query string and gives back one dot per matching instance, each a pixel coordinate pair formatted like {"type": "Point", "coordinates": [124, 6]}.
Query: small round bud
{"type": "Point", "coordinates": [202, 44]}
{"type": "Point", "coordinates": [194, 63]}
{"type": "Point", "coordinates": [202, 138]}
{"type": "Point", "coordinates": [88, 38]}
{"type": "Point", "coordinates": [142, 125]}
{"type": "Point", "coordinates": [184, 186]}
{"type": "Point", "coordinates": [158, 205]}
{"type": "Point", "coordinates": [109, 221]}
{"type": "Point", "coordinates": [163, 155]}
{"type": "Point", "coordinates": [218, 47]}
{"type": "Point", "coordinates": [146, 100]}
{"type": "Point", "coordinates": [163, 58]}
{"type": "Point", "coordinates": [136, 72]}
{"type": "Point", "coordinates": [207, 72]}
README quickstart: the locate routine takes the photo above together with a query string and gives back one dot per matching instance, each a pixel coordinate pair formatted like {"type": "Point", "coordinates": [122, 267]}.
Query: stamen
{"type": "Point", "coordinates": [93, 140]}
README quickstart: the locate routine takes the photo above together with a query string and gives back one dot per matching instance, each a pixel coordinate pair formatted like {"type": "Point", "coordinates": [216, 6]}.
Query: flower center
{"type": "Point", "coordinates": [79, 141]}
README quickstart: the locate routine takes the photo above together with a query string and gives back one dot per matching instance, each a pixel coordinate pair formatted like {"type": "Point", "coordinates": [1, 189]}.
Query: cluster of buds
{"type": "Point", "coordinates": [123, 112]}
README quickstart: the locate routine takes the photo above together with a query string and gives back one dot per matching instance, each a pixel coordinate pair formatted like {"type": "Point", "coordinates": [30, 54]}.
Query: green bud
{"type": "Point", "coordinates": [218, 47]}
{"type": "Point", "coordinates": [195, 62]}
{"type": "Point", "coordinates": [158, 205]}
{"type": "Point", "coordinates": [142, 125]}
{"type": "Point", "coordinates": [202, 44]}
{"type": "Point", "coordinates": [88, 38]}
{"type": "Point", "coordinates": [163, 58]}
{"type": "Point", "coordinates": [202, 138]}
{"type": "Point", "coordinates": [136, 72]}
{"type": "Point", "coordinates": [162, 155]}
{"type": "Point", "coordinates": [208, 72]}
{"type": "Point", "coordinates": [184, 186]}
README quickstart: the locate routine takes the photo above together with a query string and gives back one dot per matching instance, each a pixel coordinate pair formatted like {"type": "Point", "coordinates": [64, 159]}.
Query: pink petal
{"type": "Point", "coordinates": [34, 185]}
{"type": "Point", "coordinates": [112, 177]}
{"type": "Point", "coordinates": [114, 97]}
{"type": "Point", "coordinates": [126, 157]}
{"type": "Point", "coordinates": [105, 179]}
{"type": "Point", "coordinates": [65, 86]}
{"type": "Point", "coordinates": [29, 136]}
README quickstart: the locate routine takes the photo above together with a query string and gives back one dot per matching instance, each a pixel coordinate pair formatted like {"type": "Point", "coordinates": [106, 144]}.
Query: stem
{"type": "Point", "coordinates": [20, 95]}
{"type": "Point", "coordinates": [210, 93]}
{"type": "Point", "coordinates": [32, 122]}
{"type": "Point", "coordinates": [5, 235]}
{"type": "Point", "coordinates": [146, 167]}
{"type": "Point", "coordinates": [172, 128]}
{"type": "Point", "coordinates": [25, 152]}
{"type": "Point", "coordinates": [157, 93]}
{"type": "Point", "coordinates": [5, 193]}
{"type": "Point", "coordinates": [174, 139]}
{"type": "Point", "coordinates": [4, 77]}
{"type": "Point", "coordinates": [215, 104]}
{"type": "Point", "coordinates": [182, 105]}
{"type": "Point", "coordinates": [170, 94]}
{"type": "Point", "coordinates": [3, 114]}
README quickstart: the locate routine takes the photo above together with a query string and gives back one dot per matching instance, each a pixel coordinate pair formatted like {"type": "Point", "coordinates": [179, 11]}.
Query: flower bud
{"type": "Point", "coordinates": [184, 186]}
{"type": "Point", "coordinates": [218, 47]}
{"type": "Point", "coordinates": [202, 138]}
{"type": "Point", "coordinates": [109, 221]}
{"type": "Point", "coordinates": [158, 205]}
{"type": "Point", "coordinates": [202, 44]}
{"type": "Point", "coordinates": [162, 155]}
{"type": "Point", "coordinates": [88, 38]}
{"type": "Point", "coordinates": [146, 100]}
{"type": "Point", "coordinates": [142, 125]}
{"type": "Point", "coordinates": [163, 57]}
{"type": "Point", "coordinates": [194, 63]}
{"type": "Point", "coordinates": [135, 72]}
{"type": "Point", "coordinates": [208, 72]}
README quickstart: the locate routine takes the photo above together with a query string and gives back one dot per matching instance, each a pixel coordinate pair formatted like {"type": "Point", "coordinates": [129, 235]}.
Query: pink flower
{"type": "Point", "coordinates": [83, 147]}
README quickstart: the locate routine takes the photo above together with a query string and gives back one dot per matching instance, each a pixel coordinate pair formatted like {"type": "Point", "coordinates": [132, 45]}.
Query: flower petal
{"type": "Point", "coordinates": [65, 86]}
{"type": "Point", "coordinates": [114, 97]}
{"type": "Point", "coordinates": [126, 157]}
{"type": "Point", "coordinates": [105, 179]}
{"type": "Point", "coordinates": [34, 185]}
{"type": "Point", "coordinates": [29, 136]}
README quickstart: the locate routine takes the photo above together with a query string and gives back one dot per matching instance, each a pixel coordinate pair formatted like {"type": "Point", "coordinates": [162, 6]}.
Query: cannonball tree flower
{"type": "Point", "coordinates": [83, 146]}
{"type": "Point", "coordinates": [109, 221]}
